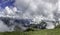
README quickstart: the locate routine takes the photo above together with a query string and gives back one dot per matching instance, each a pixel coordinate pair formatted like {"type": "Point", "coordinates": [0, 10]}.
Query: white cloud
{"type": "Point", "coordinates": [33, 8]}
{"type": "Point", "coordinates": [3, 27]}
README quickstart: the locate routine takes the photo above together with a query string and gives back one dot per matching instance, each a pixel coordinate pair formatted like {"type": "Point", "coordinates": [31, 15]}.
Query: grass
{"type": "Point", "coordinates": [37, 32]}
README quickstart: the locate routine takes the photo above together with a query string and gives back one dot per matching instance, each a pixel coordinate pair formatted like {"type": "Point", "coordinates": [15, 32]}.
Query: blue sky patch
{"type": "Point", "coordinates": [4, 3]}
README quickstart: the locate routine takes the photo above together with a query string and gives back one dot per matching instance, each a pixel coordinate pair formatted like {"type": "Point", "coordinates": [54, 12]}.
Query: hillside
{"type": "Point", "coordinates": [38, 32]}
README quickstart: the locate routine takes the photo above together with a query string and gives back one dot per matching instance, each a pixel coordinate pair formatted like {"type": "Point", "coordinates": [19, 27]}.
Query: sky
{"type": "Point", "coordinates": [33, 9]}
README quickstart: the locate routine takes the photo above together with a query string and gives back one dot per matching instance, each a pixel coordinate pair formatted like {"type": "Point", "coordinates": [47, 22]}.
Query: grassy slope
{"type": "Point", "coordinates": [39, 32]}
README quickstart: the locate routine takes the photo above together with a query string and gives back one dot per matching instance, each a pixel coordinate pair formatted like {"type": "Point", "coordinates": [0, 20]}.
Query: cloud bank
{"type": "Point", "coordinates": [33, 8]}
{"type": "Point", "coordinates": [36, 10]}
